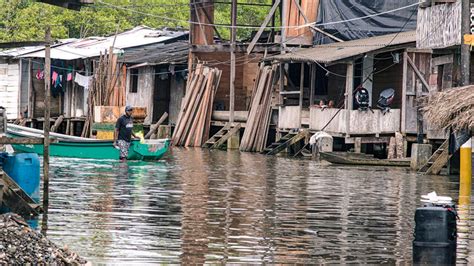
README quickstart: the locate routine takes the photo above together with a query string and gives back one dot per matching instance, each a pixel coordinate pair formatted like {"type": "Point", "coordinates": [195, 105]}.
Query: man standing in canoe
{"type": "Point", "coordinates": [123, 133]}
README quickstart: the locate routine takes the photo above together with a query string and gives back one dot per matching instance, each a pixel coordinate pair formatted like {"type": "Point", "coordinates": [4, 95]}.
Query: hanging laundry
{"type": "Point", "coordinates": [58, 83]}
{"type": "Point", "coordinates": [40, 74]}
{"type": "Point", "coordinates": [83, 81]}
{"type": "Point", "coordinates": [54, 77]}
{"type": "Point", "coordinates": [69, 73]}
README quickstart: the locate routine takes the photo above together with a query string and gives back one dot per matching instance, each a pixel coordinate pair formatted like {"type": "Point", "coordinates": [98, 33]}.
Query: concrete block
{"type": "Point", "coordinates": [233, 142]}
{"type": "Point", "coordinates": [420, 154]}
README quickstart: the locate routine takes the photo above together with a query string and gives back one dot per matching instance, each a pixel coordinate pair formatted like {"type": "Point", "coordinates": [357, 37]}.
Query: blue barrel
{"type": "Point", "coordinates": [24, 168]}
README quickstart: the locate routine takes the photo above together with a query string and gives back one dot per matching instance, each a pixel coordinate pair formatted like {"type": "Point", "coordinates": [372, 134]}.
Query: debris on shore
{"type": "Point", "coordinates": [19, 244]}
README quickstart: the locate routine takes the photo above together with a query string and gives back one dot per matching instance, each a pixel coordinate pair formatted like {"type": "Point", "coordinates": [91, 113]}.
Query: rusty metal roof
{"type": "Point", "coordinates": [329, 53]}
{"type": "Point", "coordinates": [158, 53]}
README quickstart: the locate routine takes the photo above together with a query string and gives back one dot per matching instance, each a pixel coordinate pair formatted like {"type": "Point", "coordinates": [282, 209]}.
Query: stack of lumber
{"type": "Point", "coordinates": [258, 122]}
{"type": "Point", "coordinates": [107, 88]}
{"type": "Point", "coordinates": [194, 120]}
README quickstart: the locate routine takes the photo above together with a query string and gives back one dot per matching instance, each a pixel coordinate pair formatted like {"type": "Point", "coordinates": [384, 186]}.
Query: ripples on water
{"type": "Point", "coordinates": [198, 206]}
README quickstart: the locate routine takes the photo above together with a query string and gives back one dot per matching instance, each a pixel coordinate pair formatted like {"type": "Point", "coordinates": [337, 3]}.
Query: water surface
{"type": "Point", "coordinates": [201, 206]}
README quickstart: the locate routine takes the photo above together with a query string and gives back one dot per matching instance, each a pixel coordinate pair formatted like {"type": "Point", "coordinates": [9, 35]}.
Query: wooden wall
{"type": "Point", "coordinates": [294, 18]}
{"type": "Point", "coordinates": [439, 26]}
{"type": "Point", "coordinates": [178, 85]}
{"type": "Point", "coordinates": [144, 95]}
{"type": "Point", "coordinates": [9, 87]}
{"type": "Point", "coordinates": [246, 71]}
{"type": "Point", "coordinates": [202, 11]}
{"type": "Point", "coordinates": [38, 90]}
{"type": "Point", "coordinates": [360, 123]}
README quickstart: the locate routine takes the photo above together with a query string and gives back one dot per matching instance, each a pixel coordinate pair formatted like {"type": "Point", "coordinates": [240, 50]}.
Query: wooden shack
{"type": "Point", "coordinates": [333, 72]}
{"type": "Point", "coordinates": [156, 78]}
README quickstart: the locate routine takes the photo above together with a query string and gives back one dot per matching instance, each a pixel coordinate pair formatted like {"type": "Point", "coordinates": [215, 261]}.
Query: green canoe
{"type": "Point", "coordinates": [96, 149]}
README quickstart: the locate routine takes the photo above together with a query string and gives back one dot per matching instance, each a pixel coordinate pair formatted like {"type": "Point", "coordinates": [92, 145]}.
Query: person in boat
{"type": "Point", "coordinates": [124, 132]}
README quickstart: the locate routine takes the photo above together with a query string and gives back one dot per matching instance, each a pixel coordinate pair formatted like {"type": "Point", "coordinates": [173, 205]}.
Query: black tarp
{"type": "Point", "coordinates": [332, 11]}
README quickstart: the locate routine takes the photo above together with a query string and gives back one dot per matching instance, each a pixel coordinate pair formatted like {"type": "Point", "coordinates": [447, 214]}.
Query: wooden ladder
{"type": "Point", "coordinates": [437, 161]}
{"type": "Point", "coordinates": [286, 141]}
{"type": "Point", "coordinates": [16, 199]}
{"type": "Point", "coordinates": [221, 137]}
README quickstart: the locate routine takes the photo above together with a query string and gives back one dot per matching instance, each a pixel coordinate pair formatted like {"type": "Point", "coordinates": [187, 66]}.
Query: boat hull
{"type": "Point", "coordinates": [97, 149]}
{"type": "Point", "coordinates": [343, 158]}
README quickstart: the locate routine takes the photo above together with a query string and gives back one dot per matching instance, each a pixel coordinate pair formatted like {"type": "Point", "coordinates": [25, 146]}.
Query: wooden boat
{"type": "Point", "coordinates": [361, 159]}
{"type": "Point", "coordinates": [76, 147]}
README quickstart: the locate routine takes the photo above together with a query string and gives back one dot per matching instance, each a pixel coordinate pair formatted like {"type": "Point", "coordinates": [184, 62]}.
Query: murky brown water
{"type": "Point", "coordinates": [200, 206]}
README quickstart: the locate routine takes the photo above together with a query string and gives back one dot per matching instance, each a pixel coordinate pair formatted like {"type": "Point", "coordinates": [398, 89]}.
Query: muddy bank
{"type": "Point", "coordinates": [20, 244]}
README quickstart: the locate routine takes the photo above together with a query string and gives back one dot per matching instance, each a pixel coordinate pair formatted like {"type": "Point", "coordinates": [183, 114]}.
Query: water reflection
{"type": "Point", "coordinates": [199, 206]}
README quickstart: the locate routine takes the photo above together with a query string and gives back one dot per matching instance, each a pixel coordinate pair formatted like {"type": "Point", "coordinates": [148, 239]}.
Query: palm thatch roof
{"type": "Point", "coordinates": [453, 108]}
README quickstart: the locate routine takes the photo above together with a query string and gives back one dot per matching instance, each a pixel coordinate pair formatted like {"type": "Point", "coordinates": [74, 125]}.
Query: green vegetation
{"type": "Point", "coordinates": [26, 20]}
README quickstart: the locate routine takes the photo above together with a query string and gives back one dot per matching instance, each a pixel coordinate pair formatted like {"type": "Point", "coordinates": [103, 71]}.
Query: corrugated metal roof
{"type": "Point", "coordinates": [159, 53]}
{"type": "Point", "coordinates": [93, 46]}
{"type": "Point", "coordinates": [333, 52]}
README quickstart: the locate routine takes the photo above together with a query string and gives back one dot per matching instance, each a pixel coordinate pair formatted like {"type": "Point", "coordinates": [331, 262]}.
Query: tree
{"type": "Point", "coordinates": [25, 20]}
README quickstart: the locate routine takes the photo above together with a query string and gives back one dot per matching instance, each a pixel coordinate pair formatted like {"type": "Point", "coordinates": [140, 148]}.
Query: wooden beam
{"type": "Point", "coordinates": [46, 125]}
{"type": "Point", "coordinates": [239, 48]}
{"type": "Point", "coordinates": [208, 17]}
{"type": "Point", "coordinates": [233, 40]}
{"type": "Point", "coordinates": [313, 84]}
{"type": "Point", "coordinates": [31, 98]}
{"type": "Point", "coordinates": [201, 27]}
{"type": "Point", "coordinates": [263, 26]}
{"type": "Point", "coordinates": [442, 60]}
{"type": "Point", "coordinates": [301, 89]}
{"type": "Point", "coordinates": [327, 34]}
{"type": "Point", "coordinates": [155, 127]}
{"type": "Point", "coordinates": [404, 92]}
{"type": "Point", "coordinates": [418, 74]}
{"type": "Point", "coordinates": [349, 94]}
{"type": "Point", "coordinates": [8, 140]}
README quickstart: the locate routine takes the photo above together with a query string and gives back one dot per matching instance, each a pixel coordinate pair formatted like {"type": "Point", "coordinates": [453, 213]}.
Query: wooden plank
{"type": "Point", "coordinates": [447, 79]}
{"type": "Point", "coordinates": [439, 163]}
{"type": "Point", "coordinates": [349, 93]}
{"type": "Point", "coordinates": [301, 135]}
{"type": "Point", "coordinates": [58, 122]}
{"type": "Point", "coordinates": [191, 92]}
{"type": "Point", "coordinates": [154, 128]}
{"type": "Point", "coordinates": [235, 129]}
{"type": "Point", "coordinates": [404, 91]}
{"type": "Point", "coordinates": [207, 123]}
{"type": "Point", "coordinates": [313, 84]}
{"type": "Point", "coordinates": [262, 27]}
{"type": "Point", "coordinates": [8, 140]}
{"type": "Point", "coordinates": [442, 60]}
{"type": "Point", "coordinates": [300, 101]}
{"type": "Point", "coordinates": [418, 74]}
{"type": "Point", "coordinates": [439, 26]}
{"type": "Point", "coordinates": [16, 199]}
{"type": "Point", "coordinates": [189, 129]}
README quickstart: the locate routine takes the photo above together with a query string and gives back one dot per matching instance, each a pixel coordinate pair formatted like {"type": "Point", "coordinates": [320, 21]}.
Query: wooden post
{"type": "Point", "coordinates": [465, 48]}
{"type": "Point", "coordinates": [404, 92]}
{"type": "Point", "coordinates": [301, 90]}
{"type": "Point", "coordinates": [349, 95]}
{"type": "Point", "coordinates": [282, 81]}
{"type": "Point", "coordinates": [232, 61]}
{"type": "Point", "coordinates": [31, 98]}
{"type": "Point", "coordinates": [313, 84]}
{"type": "Point", "coordinates": [47, 102]}
{"type": "Point", "coordinates": [368, 75]}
